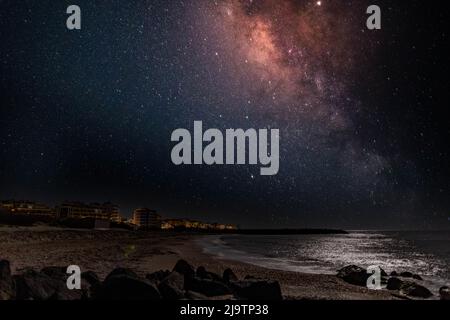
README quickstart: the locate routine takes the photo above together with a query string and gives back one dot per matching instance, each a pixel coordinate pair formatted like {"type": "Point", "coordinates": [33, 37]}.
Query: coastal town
{"type": "Point", "coordinates": [101, 216]}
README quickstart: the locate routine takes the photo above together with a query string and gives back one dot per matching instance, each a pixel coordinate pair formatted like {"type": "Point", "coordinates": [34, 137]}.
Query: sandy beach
{"type": "Point", "coordinates": [146, 252]}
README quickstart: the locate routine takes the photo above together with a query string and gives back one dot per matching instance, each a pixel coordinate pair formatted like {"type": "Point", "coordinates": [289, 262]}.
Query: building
{"type": "Point", "coordinates": [27, 208]}
{"type": "Point", "coordinates": [110, 209]}
{"type": "Point", "coordinates": [145, 218]}
{"type": "Point", "coordinates": [79, 210]}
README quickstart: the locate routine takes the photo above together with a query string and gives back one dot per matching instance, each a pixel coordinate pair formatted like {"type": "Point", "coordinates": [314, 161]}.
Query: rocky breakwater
{"type": "Point", "coordinates": [183, 282]}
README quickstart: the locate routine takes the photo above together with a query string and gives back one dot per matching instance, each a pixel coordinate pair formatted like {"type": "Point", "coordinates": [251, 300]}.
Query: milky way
{"type": "Point", "coordinates": [294, 62]}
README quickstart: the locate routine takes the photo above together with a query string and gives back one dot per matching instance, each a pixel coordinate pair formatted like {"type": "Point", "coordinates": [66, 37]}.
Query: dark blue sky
{"type": "Point", "coordinates": [87, 115]}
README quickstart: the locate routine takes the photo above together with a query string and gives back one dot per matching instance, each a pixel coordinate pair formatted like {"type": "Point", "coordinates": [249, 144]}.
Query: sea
{"type": "Point", "coordinates": [426, 253]}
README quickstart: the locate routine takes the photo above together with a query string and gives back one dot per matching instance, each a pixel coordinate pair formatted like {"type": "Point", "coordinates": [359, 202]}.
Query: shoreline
{"type": "Point", "coordinates": [144, 253]}
{"type": "Point", "coordinates": [294, 285]}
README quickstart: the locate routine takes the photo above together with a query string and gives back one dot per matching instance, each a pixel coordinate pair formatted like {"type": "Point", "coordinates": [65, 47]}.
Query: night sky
{"type": "Point", "coordinates": [364, 130]}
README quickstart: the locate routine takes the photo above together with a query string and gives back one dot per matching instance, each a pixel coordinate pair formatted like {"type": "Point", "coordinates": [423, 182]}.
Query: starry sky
{"type": "Point", "coordinates": [87, 115]}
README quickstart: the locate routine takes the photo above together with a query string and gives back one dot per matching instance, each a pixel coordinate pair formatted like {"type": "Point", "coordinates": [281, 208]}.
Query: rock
{"type": "Point", "coordinates": [158, 276]}
{"type": "Point", "coordinates": [90, 277]}
{"type": "Point", "coordinates": [257, 289]}
{"type": "Point", "coordinates": [415, 290]}
{"type": "Point", "coordinates": [7, 287]}
{"type": "Point", "coordinates": [406, 274]}
{"type": "Point", "coordinates": [172, 287]}
{"type": "Point", "coordinates": [57, 273]}
{"type": "Point", "coordinates": [354, 275]}
{"type": "Point", "coordinates": [126, 287]}
{"type": "Point", "coordinates": [66, 294]}
{"type": "Point", "coordinates": [228, 275]}
{"type": "Point", "coordinates": [207, 287]}
{"type": "Point", "coordinates": [33, 285]}
{"type": "Point", "coordinates": [444, 293]}
{"type": "Point", "coordinates": [184, 268]}
{"type": "Point", "coordinates": [394, 284]}
{"type": "Point", "coordinates": [383, 273]}
{"type": "Point", "coordinates": [203, 274]}
{"type": "Point", "coordinates": [191, 295]}
{"type": "Point", "coordinates": [122, 272]}
{"type": "Point", "coordinates": [417, 277]}
{"type": "Point", "coordinates": [89, 283]}
{"type": "Point", "coordinates": [47, 285]}
{"type": "Point", "coordinates": [408, 288]}
{"type": "Point", "coordinates": [394, 274]}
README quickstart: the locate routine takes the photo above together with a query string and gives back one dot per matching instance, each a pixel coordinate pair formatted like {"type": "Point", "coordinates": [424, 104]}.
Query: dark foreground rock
{"type": "Point", "coordinates": [184, 268]}
{"type": "Point", "coordinates": [125, 286]}
{"type": "Point", "coordinates": [172, 286]}
{"type": "Point", "coordinates": [7, 287]}
{"type": "Point", "coordinates": [415, 290]}
{"type": "Point", "coordinates": [394, 283]}
{"type": "Point", "coordinates": [408, 288]}
{"type": "Point", "coordinates": [228, 275]}
{"type": "Point", "coordinates": [91, 278]}
{"type": "Point", "coordinates": [34, 285]}
{"type": "Point", "coordinates": [202, 273]}
{"type": "Point", "coordinates": [208, 287]}
{"type": "Point", "coordinates": [354, 275]}
{"type": "Point", "coordinates": [444, 293]}
{"type": "Point", "coordinates": [254, 289]}
{"type": "Point", "coordinates": [158, 276]}
{"type": "Point", "coordinates": [122, 272]}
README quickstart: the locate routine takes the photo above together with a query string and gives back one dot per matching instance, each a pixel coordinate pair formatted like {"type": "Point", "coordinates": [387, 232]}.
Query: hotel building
{"type": "Point", "coordinates": [78, 210]}
{"type": "Point", "coordinates": [27, 208]}
{"type": "Point", "coordinates": [145, 218]}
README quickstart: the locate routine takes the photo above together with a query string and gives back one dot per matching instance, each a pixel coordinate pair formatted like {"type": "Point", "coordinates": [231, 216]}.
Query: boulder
{"type": "Point", "coordinates": [191, 295]}
{"type": "Point", "coordinates": [207, 287]}
{"type": "Point", "coordinates": [228, 275]}
{"type": "Point", "coordinates": [158, 276]}
{"type": "Point", "coordinates": [122, 272]}
{"type": "Point", "coordinates": [57, 273]}
{"type": "Point", "coordinates": [202, 273]}
{"type": "Point", "coordinates": [33, 285]}
{"type": "Point", "coordinates": [7, 287]}
{"type": "Point", "coordinates": [126, 287]}
{"type": "Point", "coordinates": [49, 284]}
{"type": "Point", "coordinates": [444, 293]}
{"type": "Point", "coordinates": [66, 294]}
{"type": "Point", "coordinates": [415, 290]}
{"type": "Point", "coordinates": [89, 283]}
{"type": "Point", "coordinates": [90, 277]}
{"type": "Point", "coordinates": [406, 274]}
{"type": "Point", "coordinates": [172, 287]}
{"type": "Point", "coordinates": [354, 275]}
{"type": "Point", "coordinates": [184, 268]}
{"type": "Point", "coordinates": [417, 277]}
{"type": "Point", "coordinates": [394, 283]}
{"type": "Point", "coordinates": [257, 289]}
{"type": "Point", "coordinates": [383, 273]}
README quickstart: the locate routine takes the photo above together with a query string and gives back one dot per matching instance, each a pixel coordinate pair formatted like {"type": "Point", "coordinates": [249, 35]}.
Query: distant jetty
{"type": "Point", "coordinates": [289, 231]}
